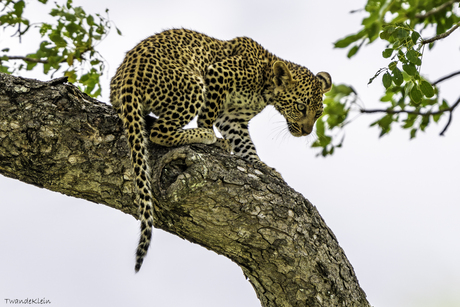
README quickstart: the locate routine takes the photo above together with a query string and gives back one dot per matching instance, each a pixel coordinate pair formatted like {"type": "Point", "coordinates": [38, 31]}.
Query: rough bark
{"type": "Point", "coordinates": [55, 137]}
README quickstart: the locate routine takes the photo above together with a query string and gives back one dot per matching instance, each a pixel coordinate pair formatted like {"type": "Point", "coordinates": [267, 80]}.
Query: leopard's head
{"type": "Point", "coordinates": [298, 96]}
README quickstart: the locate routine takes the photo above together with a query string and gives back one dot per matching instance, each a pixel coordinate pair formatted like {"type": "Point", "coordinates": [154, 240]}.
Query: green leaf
{"type": "Point", "coordinates": [90, 20]}
{"type": "Point", "coordinates": [71, 74]}
{"type": "Point", "coordinates": [415, 36]}
{"type": "Point", "coordinates": [384, 124]}
{"type": "Point", "coordinates": [369, 21]}
{"type": "Point", "coordinates": [392, 65]}
{"type": "Point", "coordinates": [345, 42]}
{"type": "Point", "coordinates": [412, 133]}
{"type": "Point", "coordinates": [436, 117]}
{"type": "Point", "coordinates": [388, 96]}
{"type": "Point", "coordinates": [427, 89]}
{"type": "Point", "coordinates": [400, 33]}
{"type": "Point", "coordinates": [79, 11]}
{"type": "Point", "coordinates": [425, 122]}
{"type": "Point", "coordinates": [98, 92]}
{"type": "Point", "coordinates": [384, 35]}
{"type": "Point", "coordinates": [337, 113]}
{"type": "Point", "coordinates": [70, 17]}
{"type": "Point", "coordinates": [402, 57]}
{"type": "Point", "coordinates": [416, 94]}
{"type": "Point", "coordinates": [72, 28]}
{"type": "Point", "coordinates": [320, 126]}
{"type": "Point", "coordinates": [31, 65]}
{"type": "Point", "coordinates": [410, 120]}
{"type": "Point", "coordinates": [57, 39]}
{"type": "Point", "coordinates": [353, 51]}
{"type": "Point", "coordinates": [444, 105]}
{"type": "Point", "coordinates": [54, 12]}
{"type": "Point", "coordinates": [388, 30]}
{"type": "Point", "coordinates": [342, 89]}
{"type": "Point", "coordinates": [44, 28]}
{"type": "Point", "coordinates": [373, 31]}
{"type": "Point", "coordinates": [413, 57]}
{"type": "Point", "coordinates": [397, 76]}
{"type": "Point", "coordinates": [386, 80]}
{"type": "Point", "coordinates": [46, 68]}
{"type": "Point", "coordinates": [410, 69]}
{"type": "Point", "coordinates": [387, 53]}
{"type": "Point", "coordinates": [4, 69]}
{"type": "Point", "coordinates": [19, 8]}
{"type": "Point", "coordinates": [55, 61]}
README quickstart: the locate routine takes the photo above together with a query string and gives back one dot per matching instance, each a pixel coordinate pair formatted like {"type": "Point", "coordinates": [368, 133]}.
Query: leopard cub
{"type": "Point", "coordinates": [180, 74]}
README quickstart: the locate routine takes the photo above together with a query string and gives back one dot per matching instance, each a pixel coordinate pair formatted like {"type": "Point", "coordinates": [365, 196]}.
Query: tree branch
{"type": "Point", "coordinates": [429, 113]}
{"type": "Point", "coordinates": [450, 117]}
{"type": "Point", "coordinates": [446, 77]}
{"type": "Point", "coordinates": [436, 10]}
{"type": "Point", "coordinates": [26, 59]}
{"type": "Point", "coordinates": [390, 111]}
{"type": "Point", "coordinates": [442, 35]}
{"type": "Point", "coordinates": [53, 136]}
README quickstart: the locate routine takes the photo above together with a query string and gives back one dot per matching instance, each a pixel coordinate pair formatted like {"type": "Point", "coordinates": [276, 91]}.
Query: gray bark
{"type": "Point", "coordinates": [55, 137]}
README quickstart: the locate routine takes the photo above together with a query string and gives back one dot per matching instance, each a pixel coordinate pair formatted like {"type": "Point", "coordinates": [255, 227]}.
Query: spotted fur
{"type": "Point", "coordinates": [179, 74]}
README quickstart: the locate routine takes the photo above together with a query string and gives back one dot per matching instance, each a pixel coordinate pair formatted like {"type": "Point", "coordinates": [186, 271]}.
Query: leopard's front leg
{"type": "Point", "coordinates": [215, 95]}
{"type": "Point", "coordinates": [235, 130]}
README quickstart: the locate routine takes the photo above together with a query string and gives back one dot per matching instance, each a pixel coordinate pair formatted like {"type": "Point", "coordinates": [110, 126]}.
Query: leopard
{"type": "Point", "coordinates": [179, 75]}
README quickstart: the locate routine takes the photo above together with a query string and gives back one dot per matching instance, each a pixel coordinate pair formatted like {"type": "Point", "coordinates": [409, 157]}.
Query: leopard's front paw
{"type": "Point", "coordinates": [270, 169]}
{"type": "Point", "coordinates": [224, 144]}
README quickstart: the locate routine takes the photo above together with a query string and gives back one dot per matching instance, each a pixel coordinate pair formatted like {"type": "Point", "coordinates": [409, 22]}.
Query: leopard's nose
{"type": "Point", "coordinates": [306, 130]}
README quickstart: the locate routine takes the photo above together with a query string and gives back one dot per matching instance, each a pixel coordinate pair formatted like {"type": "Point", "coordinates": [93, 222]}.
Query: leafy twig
{"type": "Point", "coordinates": [441, 36]}
{"type": "Point", "coordinates": [429, 113]}
{"type": "Point", "coordinates": [435, 10]}
{"type": "Point", "coordinates": [26, 59]}
{"type": "Point", "coordinates": [390, 111]}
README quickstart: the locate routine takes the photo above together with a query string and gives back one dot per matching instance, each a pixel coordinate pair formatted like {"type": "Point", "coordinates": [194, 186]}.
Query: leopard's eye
{"type": "Point", "coordinates": [300, 107]}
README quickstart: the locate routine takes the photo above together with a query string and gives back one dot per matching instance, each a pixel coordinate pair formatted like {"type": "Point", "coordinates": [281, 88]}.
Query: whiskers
{"type": "Point", "coordinates": [312, 137]}
{"type": "Point", "coordinates": [279, 132]}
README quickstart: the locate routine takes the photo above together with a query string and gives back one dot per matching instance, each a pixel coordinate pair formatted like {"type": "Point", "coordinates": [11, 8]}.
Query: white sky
{"type": "Point", "coordinates": [392, 203]}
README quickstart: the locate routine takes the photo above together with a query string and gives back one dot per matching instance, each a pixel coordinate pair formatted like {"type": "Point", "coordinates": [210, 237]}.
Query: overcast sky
{"type": "Point", "coordinates": [393, 204]}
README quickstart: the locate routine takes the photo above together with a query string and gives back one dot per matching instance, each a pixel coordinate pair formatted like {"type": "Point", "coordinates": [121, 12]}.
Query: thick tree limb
{"type": "Point", "coordinates": [54, 137]}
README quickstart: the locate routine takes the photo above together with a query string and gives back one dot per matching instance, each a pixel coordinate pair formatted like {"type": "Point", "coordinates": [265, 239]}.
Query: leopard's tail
{"type": "Point", "coordinates": [138, 143]}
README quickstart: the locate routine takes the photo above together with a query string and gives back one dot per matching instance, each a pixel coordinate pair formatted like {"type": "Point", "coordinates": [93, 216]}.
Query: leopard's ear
{"type": "Point", "coordinates": [326, 81]}
{"type": "Point", "coordinates": [282, 76]}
